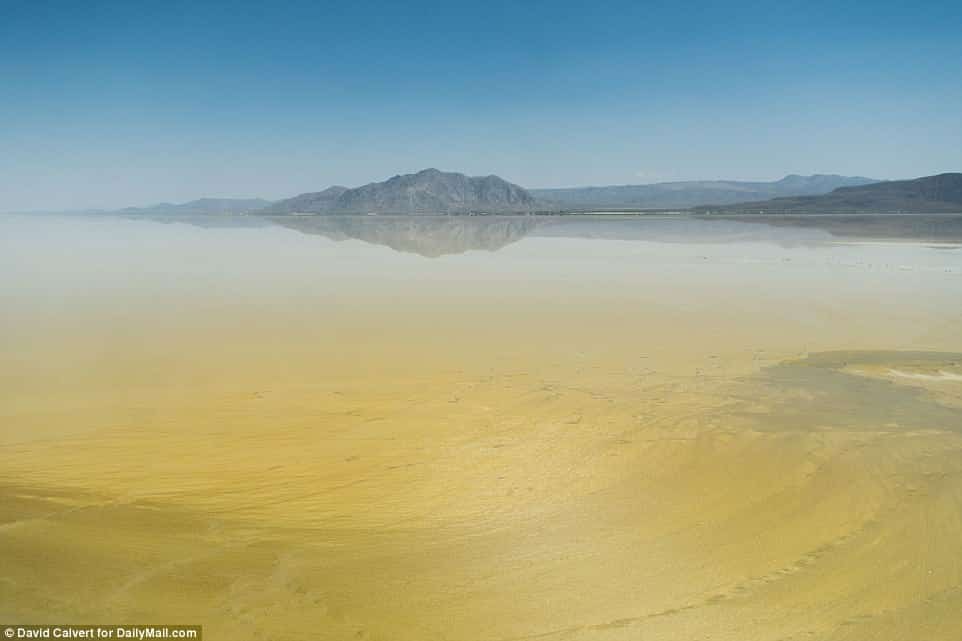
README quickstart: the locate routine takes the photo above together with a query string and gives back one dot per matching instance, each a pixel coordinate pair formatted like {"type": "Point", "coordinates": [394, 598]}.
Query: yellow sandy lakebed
{"type": "Point", "coordinates": [586, 452]}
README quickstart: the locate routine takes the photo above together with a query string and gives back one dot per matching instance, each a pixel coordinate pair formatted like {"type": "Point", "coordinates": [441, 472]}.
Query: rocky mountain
{"type": "Point", "coordinates": [683, 195]}
{"type": "Point", "coordinates": [429, 191]}
{"type": "Point", "coordinates": [927, 195]}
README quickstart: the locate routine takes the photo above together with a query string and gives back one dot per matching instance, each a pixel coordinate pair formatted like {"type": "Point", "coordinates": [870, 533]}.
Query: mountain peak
{"type": "Point", "coordinates": [429, 191]}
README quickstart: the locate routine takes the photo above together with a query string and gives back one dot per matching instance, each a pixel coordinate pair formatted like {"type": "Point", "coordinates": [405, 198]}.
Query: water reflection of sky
{"type": "Point", "coordinates": [54, 256]}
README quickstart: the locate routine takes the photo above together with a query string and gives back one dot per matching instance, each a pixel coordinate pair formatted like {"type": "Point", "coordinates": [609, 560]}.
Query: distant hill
{"type": "Point", "coordinates": [200, 207]}
{"type": "Point", "coordinates": [429, 191]}
{"type": "Point", "coordinates": [693, 193]}
{"type": "Point", "coordinates": [927, 195]}
{"type": "Point", "coordinates": [313, 202]}
{"type": "Point", "coordinates": [203, 206]}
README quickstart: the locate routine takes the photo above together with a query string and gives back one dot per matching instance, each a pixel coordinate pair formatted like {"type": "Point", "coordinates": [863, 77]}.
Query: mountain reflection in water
{"type": "Point", "coordinates": [430, 236]}
{"type": "Point", "coordinates": [436, 236]}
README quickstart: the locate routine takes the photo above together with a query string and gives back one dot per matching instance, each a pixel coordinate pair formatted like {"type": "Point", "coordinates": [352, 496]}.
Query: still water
{"type": "Point", "coordinates": [480, 429]}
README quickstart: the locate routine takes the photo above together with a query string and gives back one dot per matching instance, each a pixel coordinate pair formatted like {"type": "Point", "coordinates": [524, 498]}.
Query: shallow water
{"type": "Point", "coordinates": [470, 428]}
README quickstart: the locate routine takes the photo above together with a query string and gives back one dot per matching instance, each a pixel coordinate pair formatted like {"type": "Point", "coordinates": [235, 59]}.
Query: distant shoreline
{"type": "Point", "coordinates": [939, 227]}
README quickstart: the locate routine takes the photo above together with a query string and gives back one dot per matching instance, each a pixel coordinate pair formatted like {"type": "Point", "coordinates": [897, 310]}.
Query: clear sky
{"type": "Point", "coordinates": [109, 104]}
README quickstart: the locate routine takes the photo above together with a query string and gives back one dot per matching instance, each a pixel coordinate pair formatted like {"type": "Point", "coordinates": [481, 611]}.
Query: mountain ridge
{"type": "Point", "coordinates": [941, 193]}
{"type": "Point", "coordinates": [431, 191]}
{"type": "Point", "coordinates": [305, 203]}
{"type": "Point", "coordinates": [692, 193]}
{"type": "Point", "coordinates": [199, 206]}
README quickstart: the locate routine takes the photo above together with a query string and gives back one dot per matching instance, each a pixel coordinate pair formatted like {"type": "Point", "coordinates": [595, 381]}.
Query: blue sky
{"type": "Point", "coordinates": [108, 104]}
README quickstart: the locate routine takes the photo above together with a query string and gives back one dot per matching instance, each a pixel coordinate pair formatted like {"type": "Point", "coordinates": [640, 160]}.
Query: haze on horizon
{"type": "Point", "coordinates": [110, 104]}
